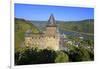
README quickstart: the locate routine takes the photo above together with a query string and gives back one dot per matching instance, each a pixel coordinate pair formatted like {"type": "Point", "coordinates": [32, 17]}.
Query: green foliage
{"type": "Point", "coordinates": [79, 54]}
{"type": "Point", "coordinates": [21, 26]}
{"type": "Point", "coordinates": [34, 56]}
{"type": "Point", "coordinates": [91, 54]}
{"type": "Point", "coordinates": [39, 56]}
{"type": "Point", "coordinates": [84, 51]}
{"type": "Point", "coordinates": [85, 26]}
{"type": "Point", "coordinates": [27, 56]}
{"type": "Point", "coordinates": [61, 57]}
{"type": "Point", "coordinates": [83, 55]}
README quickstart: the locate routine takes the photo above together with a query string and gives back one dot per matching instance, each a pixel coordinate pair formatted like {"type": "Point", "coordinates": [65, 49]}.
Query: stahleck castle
{"type": "Point", "coordinates": [48, 39]}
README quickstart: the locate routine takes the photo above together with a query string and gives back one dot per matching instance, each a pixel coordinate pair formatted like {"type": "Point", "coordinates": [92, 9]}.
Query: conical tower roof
{"type": "Point", "coordinates": [51, 21]}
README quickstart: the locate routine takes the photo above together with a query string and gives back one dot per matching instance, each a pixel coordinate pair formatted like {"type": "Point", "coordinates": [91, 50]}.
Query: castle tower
{"type": "Point", "coordinates": [51, 28]}
{"type": "Point", "coordinates": [52, 36]}
{"type": "Point", "coordinates": [49, 39]}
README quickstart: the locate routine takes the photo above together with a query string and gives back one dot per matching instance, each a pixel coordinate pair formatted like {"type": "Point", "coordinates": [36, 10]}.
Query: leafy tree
{"type": "Point", "coordinates": [61, 57]}
{"type": "Point", "coordinates": [17, 55]}
{"type": "Point", "coordinates": [79, 54]}
{"type": "Point", "coordinates": [34, 56]}
{"type": "Point", "coordinates": [83, 54]}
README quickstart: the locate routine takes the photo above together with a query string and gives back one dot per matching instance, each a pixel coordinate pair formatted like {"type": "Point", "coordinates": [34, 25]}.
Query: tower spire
{"type": "Point", "coordinates": [51, 20]}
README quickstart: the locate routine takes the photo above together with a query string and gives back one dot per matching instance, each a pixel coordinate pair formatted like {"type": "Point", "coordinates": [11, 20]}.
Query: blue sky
{"type": "Point", "coordinates": [42, 12]}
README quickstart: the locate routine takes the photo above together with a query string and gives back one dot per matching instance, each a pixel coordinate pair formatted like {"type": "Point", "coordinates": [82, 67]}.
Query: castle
{"type": "Point", "coordinates": [48, 39]}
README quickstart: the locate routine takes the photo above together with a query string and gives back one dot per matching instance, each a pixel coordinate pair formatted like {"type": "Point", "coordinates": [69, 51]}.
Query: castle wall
{"type": "Point", "coordinates": [51, 30]}
{"type": "Point", "coordinates": [43, 42]}
{"type": "Point", "coordinates": [52, 43]}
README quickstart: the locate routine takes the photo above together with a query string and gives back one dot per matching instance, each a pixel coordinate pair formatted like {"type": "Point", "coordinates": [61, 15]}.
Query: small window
{"type": "Point", "coordinates": [32, 38]}
{"type": "Point", "coordinates": [53, 36]}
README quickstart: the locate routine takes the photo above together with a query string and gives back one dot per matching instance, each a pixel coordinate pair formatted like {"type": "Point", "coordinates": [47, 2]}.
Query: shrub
{"type": "Point", "coordinates": [61, 57]}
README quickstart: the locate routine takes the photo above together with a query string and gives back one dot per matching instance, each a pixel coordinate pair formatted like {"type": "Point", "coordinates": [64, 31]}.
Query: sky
{"type": "Point", "coordinates": [43, 12]}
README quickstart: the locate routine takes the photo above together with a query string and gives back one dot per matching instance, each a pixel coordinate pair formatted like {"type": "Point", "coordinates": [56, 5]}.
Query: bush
{"type": "Point", "coordinates": [27, 56]}
{"type": "Point", "coordinates": [61, 57]}
{"type": "Point", "coordinates": [34, 56]}
{"type": "Point", "coordinates": [79, 54]}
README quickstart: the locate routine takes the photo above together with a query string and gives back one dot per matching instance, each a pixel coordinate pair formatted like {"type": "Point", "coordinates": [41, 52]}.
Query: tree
{"type": "Point", "coordinates": [79, 54]}
{"type": "Point", "coordinates": [61, 57]}
{"type": "Point", "coordinates": [34, 56]}
{"type": "Point", "coordinates": [84, 54]}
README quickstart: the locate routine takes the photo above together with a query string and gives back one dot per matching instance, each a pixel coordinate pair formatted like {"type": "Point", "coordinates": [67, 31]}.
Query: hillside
{"type": "Point", "coordinates": [21, 26]}
{"type": "Point", "coordinates": [84, 26]}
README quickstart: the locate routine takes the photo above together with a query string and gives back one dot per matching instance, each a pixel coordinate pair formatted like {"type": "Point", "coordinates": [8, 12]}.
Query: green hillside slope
{"type": "Point", "coordinates": [85, 26]}
{"type": "Point", "coordinates": [21, 26]}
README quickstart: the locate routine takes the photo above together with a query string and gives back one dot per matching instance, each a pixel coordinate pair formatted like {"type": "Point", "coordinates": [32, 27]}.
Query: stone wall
{"type": "Point", "coordinates": [43, 42]}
